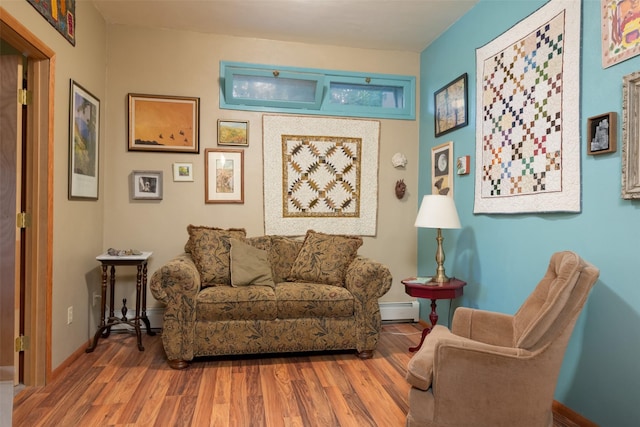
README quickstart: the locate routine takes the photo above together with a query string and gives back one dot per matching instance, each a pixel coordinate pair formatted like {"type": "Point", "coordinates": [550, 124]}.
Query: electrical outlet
{"type": "Point", "coordinates": [69, 315]}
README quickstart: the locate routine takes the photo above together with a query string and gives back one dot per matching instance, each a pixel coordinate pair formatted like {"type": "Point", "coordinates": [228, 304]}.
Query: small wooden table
{"type": "Point", "coordinates": [433, 291]}
{"type": "Point", "coordinates": [104, 330]}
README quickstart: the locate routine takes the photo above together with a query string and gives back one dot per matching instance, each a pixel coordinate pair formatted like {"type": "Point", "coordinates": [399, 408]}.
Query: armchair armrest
{"type": "Point", "coordinates": [367, 280]}
{"type": "Point", "coordinates": [484, 326]}
{"type": "Point", "coordinates": [177, 284]}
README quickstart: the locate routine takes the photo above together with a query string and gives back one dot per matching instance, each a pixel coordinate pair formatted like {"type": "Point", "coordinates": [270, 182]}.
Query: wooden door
{"type": "Point", "coordinates": [10, 204]}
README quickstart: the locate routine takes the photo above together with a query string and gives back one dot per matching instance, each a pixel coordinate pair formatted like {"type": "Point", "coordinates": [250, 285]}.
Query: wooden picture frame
{"type": "Point", "coordinates": [146, 185]}
{"type": "Point", "coordinates": [84, 143]}
{"type": "Point", "coordinates": [163, 123]}
{"type": "Point", "coordinates": [631, 136]}
{"type": "Point", "coordinates": [601, 134]}
{"type": "Point", "coordinates": [224, 175]}
{"type": "Point", "coordinates": [182, 172]}
{"type": "Point", "coordinates": [233, 132]}
{"type": "Point", "coordinates": [451, 106]}
{"type": "Point", "coordinates": [442, 167]}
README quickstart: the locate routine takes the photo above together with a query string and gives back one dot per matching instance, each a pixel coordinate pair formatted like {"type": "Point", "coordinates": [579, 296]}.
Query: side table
{"type": "Point", "coordinates": [433, 291]}
{"type": "Point", "coordinates": [104, 330]}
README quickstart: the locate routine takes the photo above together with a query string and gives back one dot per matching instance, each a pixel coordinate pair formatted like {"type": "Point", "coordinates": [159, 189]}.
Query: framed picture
{"type": "Point", "coordinates": [146, 185]}
{"type": "Point", "coordinates": [163, 123]}
{"type": "Point", "coordinates": [601, 134]}
{"type": "Point", "coordinates": [451, 106]}
{"type": "Point", "coordinates": [233, 132]}
{"type": "Point", "coordinates": [442, 169]}
{"type": "Point", "coordinates": [619, 28]}
{"type": "Point", "coordinates": [631, 136]}
{"type": "Point", "coordinates": [84, 143]}
{"type": "Point", "coordinates": [183, 172]}
{"type": "Point", "coordinates": [224, 176]}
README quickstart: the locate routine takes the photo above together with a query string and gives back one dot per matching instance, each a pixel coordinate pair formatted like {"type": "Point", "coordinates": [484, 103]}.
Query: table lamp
{"type": "Point", "coordinates": [439, 212]}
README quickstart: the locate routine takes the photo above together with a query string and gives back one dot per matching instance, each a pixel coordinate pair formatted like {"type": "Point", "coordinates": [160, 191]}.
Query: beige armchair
{"type": "Point", "coordinates": [495, 369]}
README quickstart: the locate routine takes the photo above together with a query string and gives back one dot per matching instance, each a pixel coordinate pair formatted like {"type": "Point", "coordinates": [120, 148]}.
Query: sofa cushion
{"type": "Point", "coordinates": [209, 247]}
{"type": "Point", "coordinates": [229, 303]}
{"type": "Point", "coordinates": [299, 300]}
{"type": "Point", "coordinates": [283, 253]}
{"type": "Point", "coordinates": [249, 265]}
{"type": "Point", "coordinates": [324, 258]}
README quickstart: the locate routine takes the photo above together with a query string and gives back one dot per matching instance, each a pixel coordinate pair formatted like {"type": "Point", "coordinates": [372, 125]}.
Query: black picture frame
{"type": "Point", "coordinates": [451, 106]}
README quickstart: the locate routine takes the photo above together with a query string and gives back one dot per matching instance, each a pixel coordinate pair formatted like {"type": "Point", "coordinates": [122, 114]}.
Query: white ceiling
{"type": "Point", "coordinates": [405, 25]}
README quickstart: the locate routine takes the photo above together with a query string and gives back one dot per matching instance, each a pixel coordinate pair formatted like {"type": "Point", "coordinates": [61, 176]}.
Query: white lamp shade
{"type": "Point", "coordinates": [437, 211]}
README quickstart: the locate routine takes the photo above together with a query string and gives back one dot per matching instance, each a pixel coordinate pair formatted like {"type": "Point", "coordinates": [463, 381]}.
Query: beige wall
{"type": "Point", "coordinates": [78, 225]}
{"type": "Point", "coordinates": [168, 62]}
{"type": "Point", "coordinates": [111, 61]}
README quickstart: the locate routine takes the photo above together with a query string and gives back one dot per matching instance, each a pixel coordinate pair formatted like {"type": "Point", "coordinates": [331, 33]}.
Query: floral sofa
{"type": "Point", "coordinates": [229, 294]}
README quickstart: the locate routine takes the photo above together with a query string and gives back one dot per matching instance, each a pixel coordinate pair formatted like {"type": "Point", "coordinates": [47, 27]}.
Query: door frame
{"type": "Point", "coordinates": [39, 186]}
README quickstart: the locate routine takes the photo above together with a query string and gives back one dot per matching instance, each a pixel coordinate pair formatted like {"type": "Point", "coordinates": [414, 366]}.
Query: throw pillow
{"type": "Point", "coordinates": [209, 248]}
{"type": "Point", "coordinates": [324, 258]}
{"type": "Point", "coordinates": [249, 265]}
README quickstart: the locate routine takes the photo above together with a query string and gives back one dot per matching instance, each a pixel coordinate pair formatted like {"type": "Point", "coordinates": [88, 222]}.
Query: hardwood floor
{"type": "Point", "coordinates": [118, 385]}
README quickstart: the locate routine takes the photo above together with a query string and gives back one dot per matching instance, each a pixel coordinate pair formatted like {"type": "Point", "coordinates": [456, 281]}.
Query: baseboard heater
{"type": "Point", "coordinates": [400, 311]}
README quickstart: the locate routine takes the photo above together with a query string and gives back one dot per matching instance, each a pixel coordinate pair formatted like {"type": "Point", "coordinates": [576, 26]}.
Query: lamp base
{"type": "Point", "coordinates": [440, 277]}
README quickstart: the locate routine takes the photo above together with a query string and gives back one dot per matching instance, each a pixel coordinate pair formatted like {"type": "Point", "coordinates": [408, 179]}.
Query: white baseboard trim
{"type": "Point", "coordinates": [409, 310]}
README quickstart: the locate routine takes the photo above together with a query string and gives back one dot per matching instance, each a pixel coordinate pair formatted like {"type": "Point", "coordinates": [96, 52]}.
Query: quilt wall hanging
{"type": "Point", "coordinates": [61, 14]}
{"type": "Point", "coordinates": [320, 174]}
{"type": "Point", "coordinates": [527, 115]}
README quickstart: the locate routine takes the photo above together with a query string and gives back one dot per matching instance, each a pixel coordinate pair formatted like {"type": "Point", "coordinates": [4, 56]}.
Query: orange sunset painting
{"type": "Point", "coordinates": [159, 123]}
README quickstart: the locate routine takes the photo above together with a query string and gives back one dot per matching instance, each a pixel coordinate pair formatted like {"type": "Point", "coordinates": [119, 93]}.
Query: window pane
{"type": "Point", "coordinates": [366, 95]}
{"type": "Point", "coordinates": [273, 88]}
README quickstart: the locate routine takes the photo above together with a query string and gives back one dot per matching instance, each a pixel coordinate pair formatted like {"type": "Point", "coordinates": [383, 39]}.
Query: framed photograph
{"type": "Point", "coordinates": [601, 134]}
{"type": "Point", "coordinates": [451, 106]}
{"type": "Point", "coordinates": [631, 136]}
{"type": "Point", "coordinates": [442, 169]}
{"type": "Point", "coordinates": [183, 171]}
{"type": "Point", "coordinates": [233, 132]}
{"type": "Point", "coordinates": [224, 176]}
{"type": "Point", "coordinates": [84, 135]}
{"type": "Point", "coordinates": [164, 123]}
{"type": "Point", "coordinates": [146, 185]}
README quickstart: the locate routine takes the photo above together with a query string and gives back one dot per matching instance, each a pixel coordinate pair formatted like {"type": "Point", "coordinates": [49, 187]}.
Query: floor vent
{"type": "Point", "coordinates": [400, 311]}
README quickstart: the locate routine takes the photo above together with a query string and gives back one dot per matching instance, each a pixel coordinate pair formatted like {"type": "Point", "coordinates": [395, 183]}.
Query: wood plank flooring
{"type": "Point", "coordinates": [117, 385]}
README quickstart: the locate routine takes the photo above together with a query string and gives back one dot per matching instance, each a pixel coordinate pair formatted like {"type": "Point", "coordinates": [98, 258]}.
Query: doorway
{"type": "Point", "coordinates": [33, 252]}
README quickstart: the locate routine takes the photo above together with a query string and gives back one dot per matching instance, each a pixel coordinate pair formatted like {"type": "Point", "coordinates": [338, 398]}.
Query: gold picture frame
{"type": "Point", "coordinates": [164, 123]}
{"type": "Point", "coordinates": [233, 132]}
{"type": "Point", "coordinates": [224, 175]}
{"type": "Point", "coordinates": [442, 166]}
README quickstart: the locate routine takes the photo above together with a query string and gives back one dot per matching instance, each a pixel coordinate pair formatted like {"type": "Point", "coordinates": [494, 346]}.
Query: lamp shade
{"type": "Point", "coordinates": [437, 211]}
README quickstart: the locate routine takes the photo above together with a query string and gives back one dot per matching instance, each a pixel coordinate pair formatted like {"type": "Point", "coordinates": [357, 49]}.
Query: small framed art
{"type": "Point", "coordinates": [146, 185]}
{"type": "Point", "coordinates": [224, 180]}
{"type": "Point", "coordinates": [164, 123]}
{"type": "Point", "coordinates": [451, 106]}
{"type": "Point", "coordinates": [183, 172]}
{"type": "Point", "coordinates": [233, 132]}
{"type": "Point", "coordinates": [442, 169]}
{"type": "Point", "coordinates": [84, 134]}
{"type": "Point", "coordinates": [601, 134]}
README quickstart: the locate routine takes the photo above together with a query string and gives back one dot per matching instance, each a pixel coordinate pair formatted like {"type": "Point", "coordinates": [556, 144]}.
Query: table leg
{"type": "Point", "coordinates": [136, 320]}
{"type": "Point", "coordinates": [433, 317]}
{"type": "Point", "coordinates": [144, 317]}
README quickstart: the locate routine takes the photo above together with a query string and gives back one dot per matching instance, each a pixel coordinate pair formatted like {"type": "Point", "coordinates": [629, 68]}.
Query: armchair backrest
{"type": "Point", "coordinates": [556, 301]}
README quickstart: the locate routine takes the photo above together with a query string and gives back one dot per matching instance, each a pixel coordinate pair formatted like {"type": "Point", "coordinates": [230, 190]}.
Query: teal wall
{"type": "Point", "coordinates": [502, 257]}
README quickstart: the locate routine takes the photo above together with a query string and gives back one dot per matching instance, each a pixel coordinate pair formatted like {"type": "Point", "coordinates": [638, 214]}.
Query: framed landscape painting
{"type": "Point", "coordinates": [163, 123]}
{"type": "Point", "coordinates": [84, 132]}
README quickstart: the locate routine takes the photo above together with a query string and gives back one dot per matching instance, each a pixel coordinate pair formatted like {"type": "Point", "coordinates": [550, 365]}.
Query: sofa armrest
{"type": "Point", "coordinates": [484, 326]}
{"type": "Point", "coordinates": [177, 284]}
{"type": "Point", "coordinates": [367, 280]}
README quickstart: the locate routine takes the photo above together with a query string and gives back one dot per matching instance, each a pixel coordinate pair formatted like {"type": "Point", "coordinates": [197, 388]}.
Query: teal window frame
{"type": "Point", "coordinates": [324, 80]}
